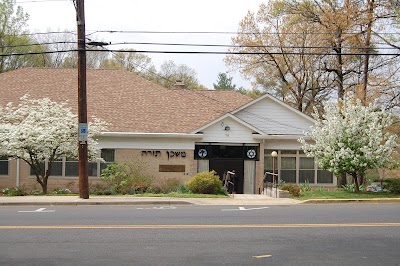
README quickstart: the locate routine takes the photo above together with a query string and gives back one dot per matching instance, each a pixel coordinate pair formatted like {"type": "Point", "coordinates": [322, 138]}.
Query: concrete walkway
{"type": "Point", "coordinates": [238, 200]}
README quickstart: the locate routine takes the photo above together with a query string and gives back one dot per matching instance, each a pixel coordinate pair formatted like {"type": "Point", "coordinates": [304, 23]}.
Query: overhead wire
{"type": "Point", "coordinates": [213, 53]}
{"type": "Point", "coordinates": [247, 46]}
{"type": "Point", "coordinates": [227, 32]}
{"type": "Point", "coordinates": [205, 45]}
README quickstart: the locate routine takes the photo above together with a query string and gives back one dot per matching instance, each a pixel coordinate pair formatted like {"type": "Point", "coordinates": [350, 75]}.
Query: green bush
{"type": "Point", "coordinates": [205, 183]}
{"type": "Point", "coordinates": [293, 190]}
{"type": "Point", "coordinates": [350, 187]}
{"type": "Point", "coordinates": [126, 178]}
{"type": "Point", "coordinates": [305, 186]}
{"type": "Point", "coordinates": [166, 185]}
{"type": "Point", "coordinates": [14, 191]}
{"type": "Point", "coordinates": [393, 185]}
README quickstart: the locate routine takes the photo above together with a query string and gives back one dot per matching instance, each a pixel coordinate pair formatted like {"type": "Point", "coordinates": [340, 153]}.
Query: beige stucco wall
{"type": "Point", "coordinates": [152, 159]}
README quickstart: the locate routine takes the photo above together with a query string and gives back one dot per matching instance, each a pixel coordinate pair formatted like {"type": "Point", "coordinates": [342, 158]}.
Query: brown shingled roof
{"type": "Point", "coordinates": [126, 101]}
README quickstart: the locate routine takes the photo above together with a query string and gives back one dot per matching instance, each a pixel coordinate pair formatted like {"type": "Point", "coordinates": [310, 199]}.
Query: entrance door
{"type": "Point", "coordinates": [222, 165]}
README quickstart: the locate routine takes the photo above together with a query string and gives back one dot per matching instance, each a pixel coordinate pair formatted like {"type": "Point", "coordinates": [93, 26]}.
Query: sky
{"type": "Point", "coordinates": [153, 15]}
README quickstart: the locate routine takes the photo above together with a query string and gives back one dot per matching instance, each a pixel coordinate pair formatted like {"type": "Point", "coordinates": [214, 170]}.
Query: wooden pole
{"type": "Point", "coordinates": [82, 103]}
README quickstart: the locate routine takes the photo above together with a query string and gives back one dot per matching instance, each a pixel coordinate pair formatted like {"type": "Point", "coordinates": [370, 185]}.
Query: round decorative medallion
{"type": "Point", "coordinates": [202, 153]}
{"type": "Point", "coordinates": [251, 154]}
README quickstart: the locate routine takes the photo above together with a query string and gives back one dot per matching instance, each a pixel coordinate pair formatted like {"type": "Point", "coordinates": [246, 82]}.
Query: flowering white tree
{"type": "Point", "coordinates": [39, 130]}
{"type": "Point", "coordinates": [351, 140]}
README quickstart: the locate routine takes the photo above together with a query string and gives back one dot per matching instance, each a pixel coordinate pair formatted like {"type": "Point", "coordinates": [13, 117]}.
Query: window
{"type": "Point", "coordinates": [295, 167]}
{"type": "Point", "coordinates": [71, 167]}
{"type": "Point", "coordinates": [268, 167]}
{"type": "Point", "coordinates": [92, 169]}
{"type": "Point", "coordinates": [56, 168]}
{"type": "Point", "coordinates": [324, 176]}
{"type": "Point", "coordinates": [42, 169]}
{"type": "Point", "coordinates": [288, 169]}
{"type": "Point", "coordinates": [288, 152]}
{"type": "Point", "coordinates": [3, 165]}
{"type": "Point", "coordinates": [108, 156]}
{"type": "Point", "coordinates": [306, 171]}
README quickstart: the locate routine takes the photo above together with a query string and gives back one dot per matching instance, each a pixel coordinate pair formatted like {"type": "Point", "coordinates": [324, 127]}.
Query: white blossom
{"type": "Point", "coordinates": [351, 140]}
{"type": "Point", "coordinates": [39, 129]}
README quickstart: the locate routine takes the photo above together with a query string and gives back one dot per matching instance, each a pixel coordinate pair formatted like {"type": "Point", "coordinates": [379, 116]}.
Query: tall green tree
{"type": "Point", "coordinates": [170, 72]}
{"type": "Point", "coordinates": [278, 61]}
{"type": "Point", "coordinates": [224, 82]}
{"type": "Point", "coordinates": [130, 60]}
{"type": "Point", "coordinates": [15, 45]}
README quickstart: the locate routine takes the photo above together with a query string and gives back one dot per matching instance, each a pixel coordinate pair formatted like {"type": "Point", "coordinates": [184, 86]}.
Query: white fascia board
{"type": "Point", "coordinates": [240, 121]}
{"type": "Point", "coordinates": [288, 137]}
{"type": "Point", "coordinates": [277, 101]}
{"type": "Point", "coordinates": [152, 135]}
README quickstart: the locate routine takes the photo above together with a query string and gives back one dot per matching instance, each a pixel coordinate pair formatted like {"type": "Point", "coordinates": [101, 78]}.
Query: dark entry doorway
{"type": "Point", "coordinates": [222, 165]}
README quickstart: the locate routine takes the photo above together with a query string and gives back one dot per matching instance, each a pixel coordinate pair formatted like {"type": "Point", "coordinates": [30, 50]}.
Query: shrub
{"type": "Point", "coordinates": [205, 183]}
{"type": "Point", "coordinates": [14, 191]}
{"type": "Point", "coordinates": [293, 190]}
{"type": "Point", "coordinates": [305, 186]}
{"type": "Point", "coordinates": [127, 178]}
{"type": "Point", "coordinates": [393, 185]}
{"type": "Point", "coordinates": [166, 185]}
{"type": "Point", "coordinates": [61, 191]}
{"type": "Point", "coordinates": [352, 188]}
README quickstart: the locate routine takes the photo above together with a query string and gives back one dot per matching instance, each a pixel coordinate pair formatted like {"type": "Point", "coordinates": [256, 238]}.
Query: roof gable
{"type": "Point", "coordinates": [273, 117]}
{"type": "Point", "coordinates": [267, 115]}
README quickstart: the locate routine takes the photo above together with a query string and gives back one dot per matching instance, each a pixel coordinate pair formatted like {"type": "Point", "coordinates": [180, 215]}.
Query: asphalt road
{"type": "Point", "coordinates": [345, 234]}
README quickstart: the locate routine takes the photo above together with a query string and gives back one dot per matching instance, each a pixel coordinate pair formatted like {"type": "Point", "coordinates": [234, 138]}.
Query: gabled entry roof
{"type": "Point", "coordinates": [268, 117]}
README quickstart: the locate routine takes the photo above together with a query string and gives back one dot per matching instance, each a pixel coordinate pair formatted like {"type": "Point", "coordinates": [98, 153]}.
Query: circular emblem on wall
{"type": "Point", "coordinates": [251, 154]}
{"type": "Point", "coordinates": [202, 153]}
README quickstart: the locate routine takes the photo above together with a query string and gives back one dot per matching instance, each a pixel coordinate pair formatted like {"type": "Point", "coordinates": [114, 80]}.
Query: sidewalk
{"type": "Point", "coordinates": [238, 200]}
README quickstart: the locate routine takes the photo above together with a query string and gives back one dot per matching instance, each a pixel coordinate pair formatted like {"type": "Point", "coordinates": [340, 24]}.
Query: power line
{"type": "Point", "coordinates": [38, 53]}
{"type": "Point", "coordinates": [245, 53]}
{"type": "Point", "coordinates": [40, 1]}
{"type": "Point", "coordinates": [36, 44]}
{"type": "Point", "coordinates": [228, 32]}
{"type": "Point", "coordinates": [203, 52]}
{"type": "Point", "coordinates": [201, 45]}
{"type": "Point", "coordinates": [248, 46]}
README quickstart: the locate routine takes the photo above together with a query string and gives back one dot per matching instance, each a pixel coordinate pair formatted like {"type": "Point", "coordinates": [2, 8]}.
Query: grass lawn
{"type": "Point", "coordinates": [341, 194]}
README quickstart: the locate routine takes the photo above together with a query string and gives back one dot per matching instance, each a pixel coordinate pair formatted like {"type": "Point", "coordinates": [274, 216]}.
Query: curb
{"type": "Point", "coordinates": [330, 201]}
{"type": "Point", "coordinates": [96, 203]}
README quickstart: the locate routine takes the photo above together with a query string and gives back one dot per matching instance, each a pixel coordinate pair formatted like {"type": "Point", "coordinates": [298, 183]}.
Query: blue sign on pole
{"type": "Point", "coordinates": [83, 132]}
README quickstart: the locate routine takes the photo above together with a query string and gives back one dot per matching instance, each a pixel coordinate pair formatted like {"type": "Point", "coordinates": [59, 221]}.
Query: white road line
{"type": "Point", "coordinates": [39, 210]}
{"type": "Point", "coordinates": [244, 209]}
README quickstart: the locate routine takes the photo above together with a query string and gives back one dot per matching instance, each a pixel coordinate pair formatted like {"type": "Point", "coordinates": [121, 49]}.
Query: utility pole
{"type": "Point", "coordinates": [82, 102]}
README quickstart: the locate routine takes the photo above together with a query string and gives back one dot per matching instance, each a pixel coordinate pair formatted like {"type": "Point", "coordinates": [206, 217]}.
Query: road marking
{"type": "Point", "coordinates": [158, 208]}
{"type": "Point", "coordinates": [197, 226]}
{"type": "Point", "coordinates": [244, 209]}
{"type": "Point", "coordinates": [40, 210]}
{"type": "Point", "coordinates": [262, 256]}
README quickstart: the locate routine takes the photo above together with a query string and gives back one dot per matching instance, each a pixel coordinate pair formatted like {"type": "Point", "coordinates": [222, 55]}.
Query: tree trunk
{"type": "Point", "coordinates": [44, 188]}
{"type": "Point", "coordinates": [355, 180]}
{"type": "Point", "coordinates": [363, 92]}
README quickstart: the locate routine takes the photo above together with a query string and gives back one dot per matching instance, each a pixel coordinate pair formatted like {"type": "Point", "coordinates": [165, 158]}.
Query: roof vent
{"type": "Point", "coordinates": [179, 84]}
